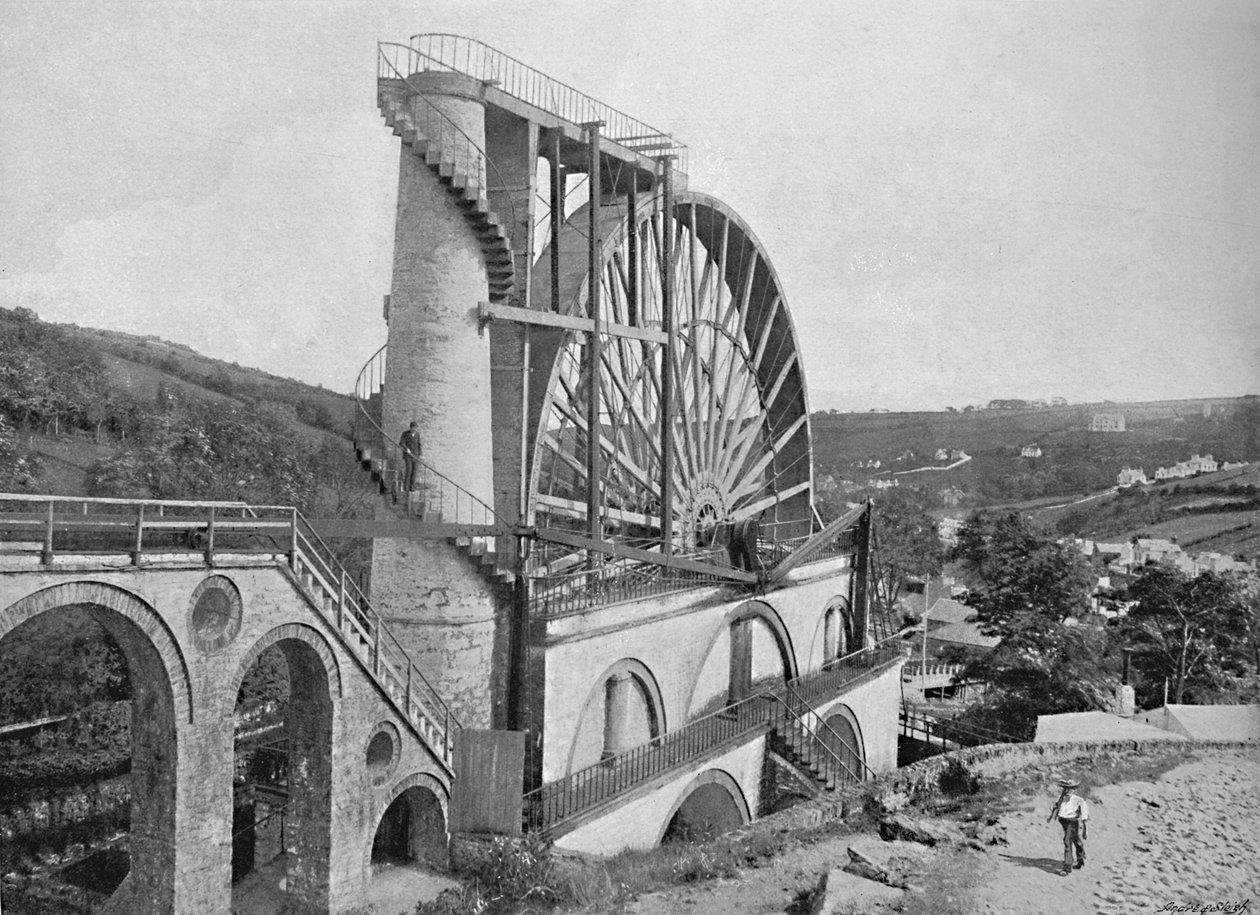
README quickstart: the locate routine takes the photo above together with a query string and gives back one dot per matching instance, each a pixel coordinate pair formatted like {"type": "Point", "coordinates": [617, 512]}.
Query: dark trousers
{"type": "Point", "coordinates": [410, 466]}
{"type": "Point", "coordinates": [1072, 840]}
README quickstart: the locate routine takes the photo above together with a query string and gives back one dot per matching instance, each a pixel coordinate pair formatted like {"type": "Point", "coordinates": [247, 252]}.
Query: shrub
{"type": "Point", "coordinates": [957, 779]}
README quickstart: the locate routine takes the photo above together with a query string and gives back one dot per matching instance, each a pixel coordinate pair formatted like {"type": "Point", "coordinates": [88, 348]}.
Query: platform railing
{"type": "Point", "coordinates": [444, 51]}
{"type": "Point", "coordinates": [456, 145]}
{"type": "Point", "coordinates": [148, 531]}
{"type": "Point", "coordinates": [806, 734]}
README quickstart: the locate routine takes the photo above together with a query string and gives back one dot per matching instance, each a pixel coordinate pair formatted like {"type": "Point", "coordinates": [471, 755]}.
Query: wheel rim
{"type": "Point", "coordinates": [741, 422]}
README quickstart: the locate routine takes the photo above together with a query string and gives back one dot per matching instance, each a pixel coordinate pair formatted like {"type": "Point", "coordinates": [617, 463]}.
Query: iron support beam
{"type": "Point", "coordinates": [632, 251]}
{"type": "Point", "coordinates": [861, 575]}
{"type": "Point", "coordinates": [557, 218]}
{"type": "Point", "coordinates": [667, 358]}
{"type": "Point", "coordinates": [620, 551]}
{"type": "Point", "coordinates": [594, 462]}
{"type": "Point", "coordinates": [818, 541]}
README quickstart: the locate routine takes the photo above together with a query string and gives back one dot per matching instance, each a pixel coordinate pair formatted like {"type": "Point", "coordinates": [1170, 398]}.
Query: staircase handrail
{"type": "Point", "coordinates": [383, 637]}
{"type": "Point", "coordinates": [590, 786]}
{"type": "Point", "coordinates": [472, 144]}
{"type": "Point", "coordinates": [394, 451]}
{"type": "Point", "coordinates": [521, 81]}
{"type": "Point", "coordinates": [819, 744]}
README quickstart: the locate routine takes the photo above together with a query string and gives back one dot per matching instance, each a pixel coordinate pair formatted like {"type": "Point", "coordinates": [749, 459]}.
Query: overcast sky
{"type": "Point", "coordinates": [963, 200]}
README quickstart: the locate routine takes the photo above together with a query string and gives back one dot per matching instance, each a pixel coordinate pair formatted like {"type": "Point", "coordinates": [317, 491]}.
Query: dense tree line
{"type": "Point", "coordinates": [1199, 636]}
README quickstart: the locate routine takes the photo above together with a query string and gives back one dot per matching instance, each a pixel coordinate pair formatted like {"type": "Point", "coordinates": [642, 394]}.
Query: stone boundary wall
{"type": "Point", "coordinates": [917, 780]}
{"type": "Point", "coordinates": [992, 761]}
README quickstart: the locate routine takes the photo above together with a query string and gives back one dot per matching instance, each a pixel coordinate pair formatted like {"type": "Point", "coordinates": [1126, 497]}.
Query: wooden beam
{"type": "Point", "coordinates": [621, 551]}
{"type": "Point", "coordinates": [488, 312]}
{"type": "Point", "coordinates": [340, 528]}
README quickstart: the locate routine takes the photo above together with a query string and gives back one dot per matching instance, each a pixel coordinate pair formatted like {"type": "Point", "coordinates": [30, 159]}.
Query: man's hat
{"type": "Point", "coordinates": [1068, 783]}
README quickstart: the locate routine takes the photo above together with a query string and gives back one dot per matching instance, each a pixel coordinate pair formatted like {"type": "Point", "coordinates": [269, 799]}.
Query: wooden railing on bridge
{"type": "Point", "coordinates": [578, 792]}
{"type": "Point", "coordinates": [923, 726]}
{"type": "Point", "coordinates": [150, 532]}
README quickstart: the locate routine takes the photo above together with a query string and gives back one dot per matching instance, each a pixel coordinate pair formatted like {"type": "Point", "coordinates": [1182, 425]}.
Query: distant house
{"type": "Point", "coordinates": [1030, 451]}
{"type": "Point", "coordinates": [942, 454]}
{"type": "Point", "coordinates": [1119, 553]}
{"type": "Point", "coordinates": [1148, 551]}
{"type": "Point", "coordinates": [1058, 401]}
{"type": "Point", "coordinates": [1183, 469]}
{"type": "Point", "coordinates": [1107, 422]}
{"type": "Point", "coordinates": [1233, 465]}
{"type": "Point", "coordinates": [1130, 477]}
{"type": "Point", "coordinates": [948, 529]}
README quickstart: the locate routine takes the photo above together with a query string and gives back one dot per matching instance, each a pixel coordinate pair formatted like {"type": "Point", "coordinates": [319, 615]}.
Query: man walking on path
{"type": "Point", "coordinates": [1073, 813]}
{"type": "Point", "coordinates": [410, 444]}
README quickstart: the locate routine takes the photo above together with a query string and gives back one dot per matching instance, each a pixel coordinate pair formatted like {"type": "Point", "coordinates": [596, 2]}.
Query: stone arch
{"type": "Point", "coordinates": [298, 632]}
{"type": "Point", "coordinates": [155, 672]}
{"type": "Point", "coordinates": [309, 723]}
{"type": "Point", "coordinates": [719, 779]}
{"type": "Point", "coordinates": [125, 604]}
{"type": "Point", "coordinates": [844, 724]}
{"type": "Point", "coordinates": [416, 781]}
{"type": "Point", "coordinates": [750, 610]}
{"type": "Point", "coordinates": [834, 632]}
{"type": "Point", "coordinates": [641, 674]}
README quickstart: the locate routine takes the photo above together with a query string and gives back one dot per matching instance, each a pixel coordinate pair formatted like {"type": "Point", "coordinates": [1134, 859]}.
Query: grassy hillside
{"type": "Point", "coordinates": [1073, 459]}
{"type": "Point", "coordinates": [75, 399]}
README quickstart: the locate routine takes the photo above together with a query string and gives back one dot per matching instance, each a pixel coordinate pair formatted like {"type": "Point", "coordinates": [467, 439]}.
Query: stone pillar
{"type": "Point", "coordinates": [618, 692]}
{"type": "Point", "coordinates": [438, 371]}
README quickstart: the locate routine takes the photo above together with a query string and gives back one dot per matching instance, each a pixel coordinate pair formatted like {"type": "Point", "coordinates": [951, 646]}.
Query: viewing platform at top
{"type": "Point", "coordinates": [521, 90]}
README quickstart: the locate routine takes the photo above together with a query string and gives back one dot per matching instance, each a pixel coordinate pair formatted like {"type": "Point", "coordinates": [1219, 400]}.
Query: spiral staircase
{"type": "Point", "coordinates": [459, 164]}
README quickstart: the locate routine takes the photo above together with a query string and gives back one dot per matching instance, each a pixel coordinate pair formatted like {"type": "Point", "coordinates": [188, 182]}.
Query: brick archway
{"type": "Point", "coordinates": [834, 634]}
{"type": "Point", "coordinates": [417, 780]}
{"type": "Point", "coordinates": [301, 633]}
{"type": "Point", "coordinates": [160, 696]}
{"type": "Point", "coordinates": [125, 604]}
{"type": "Point", "coordinates": [640, 673]}
{"type": "Point", "coordinates": [309, 724]}
{"type": "Point", "coordinates": [749, 611]}
{"type": "Point", "coordinates": [719, 778]}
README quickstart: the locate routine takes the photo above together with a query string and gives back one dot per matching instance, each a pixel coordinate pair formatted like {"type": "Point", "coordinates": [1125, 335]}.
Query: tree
{"type": "Point", "coordinates": [1025, 577]}
{"type": "Point", "coordinates": [908, 545]}
{"type": "Point", "coordinates": [18, 470]}
{"type": "Point", "coordinates": [1192, 632]}
{"type": "Point", "coordinates": [1026, 589]}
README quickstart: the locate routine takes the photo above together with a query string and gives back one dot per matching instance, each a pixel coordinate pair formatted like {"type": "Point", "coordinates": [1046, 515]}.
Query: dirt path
{"type": "Point", "coordinates": [1200, 846]}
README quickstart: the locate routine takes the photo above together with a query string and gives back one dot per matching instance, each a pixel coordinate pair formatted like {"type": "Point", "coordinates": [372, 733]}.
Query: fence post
{"type": "Point", "coordinates": [47, 557]}
{"type": "Point", "coordinates": [135, 553]}
{"type": "Point", "coordinates": [210, 538]}
{"type": "Point", "coordinates": [341, 601]}
{"type": "Point", "coordinates": [293, 543]}
{"type": "Point", "coordinates": [376, 647]}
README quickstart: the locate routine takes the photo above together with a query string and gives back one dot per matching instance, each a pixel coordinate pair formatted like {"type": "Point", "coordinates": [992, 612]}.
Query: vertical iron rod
{"type": "Point", "coordinates": [594, 471]}
{"type": "Point", "coordinates": [557, 217]}
{"type": "Point", "coordinates": [667, 358]}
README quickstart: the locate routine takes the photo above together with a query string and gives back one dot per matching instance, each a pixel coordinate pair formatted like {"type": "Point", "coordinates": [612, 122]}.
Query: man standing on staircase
{"type": "Point", "coordinates": [410, 444]}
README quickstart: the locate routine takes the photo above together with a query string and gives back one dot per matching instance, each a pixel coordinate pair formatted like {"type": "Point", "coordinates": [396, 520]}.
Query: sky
{"type": "Point", "coordinates": [963, 200]}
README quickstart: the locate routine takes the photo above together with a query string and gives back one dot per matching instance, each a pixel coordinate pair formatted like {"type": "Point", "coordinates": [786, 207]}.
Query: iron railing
{"type": "Point", "coordinates": [848, 670]}
{"type": "Point", "coordinates": [587, 788]}
{"type": "Point", "coordinates": [457, 147]}
{"type": "Point", "coordinates": [147, 531]}
{"type": "Point", "coordinates": [439, 51]}
{"type": "Point", "coordinates": [914, 722]}
{"type": "Point", "coordinates": [434, 492]}
{"type": "Point", "coordinates": [803, 734]}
